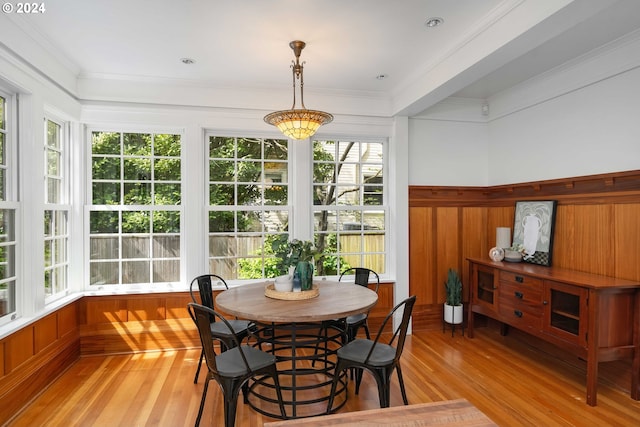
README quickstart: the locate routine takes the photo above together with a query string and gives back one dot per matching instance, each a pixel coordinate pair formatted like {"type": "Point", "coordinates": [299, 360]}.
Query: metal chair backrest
{"type": "Point", "coordinates": [205, 289]}
{"type": "Point", "coordinates": [201, 315]}
{"type": "Point", "coordinates": [400, 331]}
{"type": "Point", "coordinates": [361, 276]}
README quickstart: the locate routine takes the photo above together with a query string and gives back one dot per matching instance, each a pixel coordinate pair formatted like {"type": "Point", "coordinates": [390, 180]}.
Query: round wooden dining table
{"type": "Point", "coordinates": [304, 335]}
{"type": "Point", "coordinates": [335, 300]}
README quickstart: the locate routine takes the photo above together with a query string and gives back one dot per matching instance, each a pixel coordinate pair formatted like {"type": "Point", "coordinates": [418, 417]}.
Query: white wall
{"type": "Point", "coordinates": [580, 119]}
{"type": "Point", "coordinates": [590, 131]}
{"type": "Point", "coordinates": [447, 153]}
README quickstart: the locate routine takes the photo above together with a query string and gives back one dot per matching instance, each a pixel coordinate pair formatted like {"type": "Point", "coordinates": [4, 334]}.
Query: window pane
{"type": "Point", "coordinates": [151, 177]}
{"type": "Point", "coordinates": [104, 247]}
{"type": "Point", "coordinates": [221, 147]}
{"type": "Point", "coordinates": [103, 222]}
{"type": "Point", "coordinates": [247, 176]}
{"type": "Point", "coordinates": [135, 272]}
{"type": "Point", "coordinates": [135, 247]}
{"type": "Point", "coordinates": [136, 222]}
{"type": "Point", "coordinates": [166, 222]}
{"type": "Point", "coordinates": [105, 167]}
{"type": "Point", "coordinates": [106, 193]}
{"type": "Point", "coordinates": [348, 175]}
{"type": "Point", "coordinates": [166, 246]}
{"type": "Point", "coordinates": [137, 144]}
{"type": "Point", "coordinates": [137, 169]}
{"type": "Point", "coordinates": [167, 145]}
{"type": "Point", "coordinates": [105, 143]}
{"type": "Point", "coordinates": [104, 273]}
{"type": "Point", "coordinates": [167, 170]}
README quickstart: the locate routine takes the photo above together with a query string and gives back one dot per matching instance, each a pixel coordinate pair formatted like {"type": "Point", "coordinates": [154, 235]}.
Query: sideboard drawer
{"type": "Point", "coordinates": [522, 295]}
{"type": "Point", "coordinates": [520, 279]}
{"type": "Point", "coordinates": [520, 315]}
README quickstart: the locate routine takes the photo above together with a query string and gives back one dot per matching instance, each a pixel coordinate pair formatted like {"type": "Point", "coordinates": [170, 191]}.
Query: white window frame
{"type": "Point", "coordinates": [60, 207]}
{"type": "Point", "coordinates": [89, 207]}
{"type": "Point", "coordinates": [384, 207]}
{"type": "Point", "coordinates": [11, 200]}
{"type": "Point", "coordinates": [263, 233]}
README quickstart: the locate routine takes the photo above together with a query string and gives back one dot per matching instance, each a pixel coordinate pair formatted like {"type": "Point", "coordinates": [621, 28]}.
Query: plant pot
{"type": "Point", "coordinates": [304, 269]}
{"type": "Point", "coordinates": [453, 314]}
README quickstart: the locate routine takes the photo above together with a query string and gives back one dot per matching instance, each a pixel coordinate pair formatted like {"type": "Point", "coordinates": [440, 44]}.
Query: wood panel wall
{"type": "Point", "coordinates": [34, 356]}
{"type": "Point", "coordinates": [597, 230]}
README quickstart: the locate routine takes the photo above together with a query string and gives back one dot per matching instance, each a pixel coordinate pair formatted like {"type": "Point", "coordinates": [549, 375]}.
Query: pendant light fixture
{"type": "Point", "coordinates": [298, 123]}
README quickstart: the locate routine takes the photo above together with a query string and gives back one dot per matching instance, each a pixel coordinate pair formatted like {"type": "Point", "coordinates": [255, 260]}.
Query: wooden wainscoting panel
{"type": "Point", "coordinates": [593, 244]}
{"type": "Point", "coordinates": [382, 307]}
{"type": "Point", "coordinates": [448, 247]}
{"type": "Point", "coordinates": [1, 358]}
{"type": "Point", "coordinates": [177, 305]}
{"type": "Point", "coordinates": [45, 332]}
{"type": "Point", "coordinates": [68, 319]}
{"type": "Point", "coordinates": [476, 242]}
{"type": "Point", "coordinates": [421, 259]}
{"type": "Point", "coordinates": [627, 241]}
{"type": "Point", "coordinates": [149, 308]}
{"type": "Point", "coordinates": [18, 348]}
{"type": "Point", "coordinates": [104, 309]}
{"type": "Point", "coordinates": [138, 336]}
{"type": "Point", "coordinates": [22, 385]}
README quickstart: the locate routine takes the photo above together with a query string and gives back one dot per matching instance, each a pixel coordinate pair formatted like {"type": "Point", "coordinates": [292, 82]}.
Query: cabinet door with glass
{"type": "Point", "coordinates": [566, 312]}
{"type": "Point", "coordinates": [485, 287]}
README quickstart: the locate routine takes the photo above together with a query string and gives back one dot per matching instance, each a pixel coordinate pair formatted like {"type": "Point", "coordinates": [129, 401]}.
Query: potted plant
{"type": "Point", "coordinates": [453, 302]}
{"type": "Point", "coordinates": [296, 257]}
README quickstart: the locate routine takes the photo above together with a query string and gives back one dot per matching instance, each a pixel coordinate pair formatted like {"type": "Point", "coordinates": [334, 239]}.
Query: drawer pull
{"type": "Point", "coordinates": [518, 313]}
{"type": "Point", "coordinates": [519, 279]}
{"type": "Point", "coordinates": [518, 294]}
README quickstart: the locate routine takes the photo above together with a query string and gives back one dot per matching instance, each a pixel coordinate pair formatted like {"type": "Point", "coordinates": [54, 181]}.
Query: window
{"type": "Point", "coordinates": [8, 209]}
{"type": "Point", "coordinates": [134, 219]}
{"type": "Point", "coordinates": [248, 204]}
{"type": "Point", "coordinates": [56, 213]}
{"type": "Point", "coordinates": [349, 210]}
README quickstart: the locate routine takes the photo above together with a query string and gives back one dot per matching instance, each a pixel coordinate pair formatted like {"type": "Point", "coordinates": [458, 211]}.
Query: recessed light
{"type": "Point", "coordinates": [187, 61]}
{"type": "Point", "coordinates": [381, 76]}
{"type": "Point", "coordinates": [433, 22]}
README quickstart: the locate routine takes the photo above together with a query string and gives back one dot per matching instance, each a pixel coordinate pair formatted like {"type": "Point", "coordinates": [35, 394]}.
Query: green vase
{"type": "Point", "coordinates": [305, 271]}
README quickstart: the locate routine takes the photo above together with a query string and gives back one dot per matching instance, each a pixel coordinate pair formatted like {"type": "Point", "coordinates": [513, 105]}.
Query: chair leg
{"type": "Point", "coordinates": [195, 379]}
{"type": "Point", "coordinates": [324, 329]}
{"type": "Point", "coordinates": [230, 405]}
{"type": "Point", "coordinates": [202, 400]}
{"type": "Point", "coordinates": [276, 383]}
{"type": "Point", "coordinates": [383, 382]}
{"type": "Point", "coordinates": [401, 381]}
{"type": "Point", "coordinates": [359, 372]}
{"type": "Point", "coordinates": [334, 384]}
{"type": "Point", "coordinates": [366, 331]}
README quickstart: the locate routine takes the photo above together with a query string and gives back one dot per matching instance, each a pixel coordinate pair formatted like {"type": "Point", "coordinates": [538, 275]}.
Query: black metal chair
{"type": "Point", "coordinates": [218, 330]}
{"type": "Point", "coordinates": [355, 322]}
{"type": "Point", "coordinates": [350, 325]}
{"type": "Point", "coordinates": [231, 368]}
{"type": "Point", "coordinates": [378, 358]}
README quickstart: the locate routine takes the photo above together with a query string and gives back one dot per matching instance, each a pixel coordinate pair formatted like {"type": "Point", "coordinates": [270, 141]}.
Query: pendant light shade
{"type": "Point", "coordinates": [298, 123]}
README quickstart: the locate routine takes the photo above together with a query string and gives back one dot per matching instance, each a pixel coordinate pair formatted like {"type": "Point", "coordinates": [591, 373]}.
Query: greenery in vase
{"type": "Point", "coordinates": [453, 286]}
{"type": "Point", "coordinates": [289, 253]}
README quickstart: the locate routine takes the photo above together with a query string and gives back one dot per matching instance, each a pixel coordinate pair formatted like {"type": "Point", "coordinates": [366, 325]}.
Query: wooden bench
{"type": "Point", "coordinates": [447, 413]}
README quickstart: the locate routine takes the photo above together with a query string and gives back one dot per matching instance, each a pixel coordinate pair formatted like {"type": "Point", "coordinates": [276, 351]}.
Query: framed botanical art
{"type": "Point", "coordinates": [533, 230]}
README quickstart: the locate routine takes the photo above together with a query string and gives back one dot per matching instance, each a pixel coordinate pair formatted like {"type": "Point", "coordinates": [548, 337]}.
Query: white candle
{"type": "Point", "coordinates": [503, 237]}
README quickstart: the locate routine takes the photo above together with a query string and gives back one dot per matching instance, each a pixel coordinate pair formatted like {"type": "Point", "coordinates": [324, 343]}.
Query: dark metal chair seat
{"type": "Point", "coordinates": [219, 330]}
{"type": "Point", "coordinates": [376, 357]}
{"type": "Point", "coordinates": [231, 368]}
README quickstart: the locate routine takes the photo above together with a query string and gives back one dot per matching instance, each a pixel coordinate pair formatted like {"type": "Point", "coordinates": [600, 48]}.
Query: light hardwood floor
{"type": "Point", "coordinates": [510, 379]}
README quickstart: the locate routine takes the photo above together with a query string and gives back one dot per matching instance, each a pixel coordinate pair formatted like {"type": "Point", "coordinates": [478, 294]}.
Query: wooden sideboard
{"type": "Point", "coordinates": [597, 318]}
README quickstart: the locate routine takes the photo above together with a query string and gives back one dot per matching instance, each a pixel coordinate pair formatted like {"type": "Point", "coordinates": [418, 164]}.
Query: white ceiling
{"type": "Point", "coordinates": [483, 47]}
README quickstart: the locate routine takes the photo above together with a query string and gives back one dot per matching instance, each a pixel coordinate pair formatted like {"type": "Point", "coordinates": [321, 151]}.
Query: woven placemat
{"type": "Point", "coordinates": [270, 291]}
